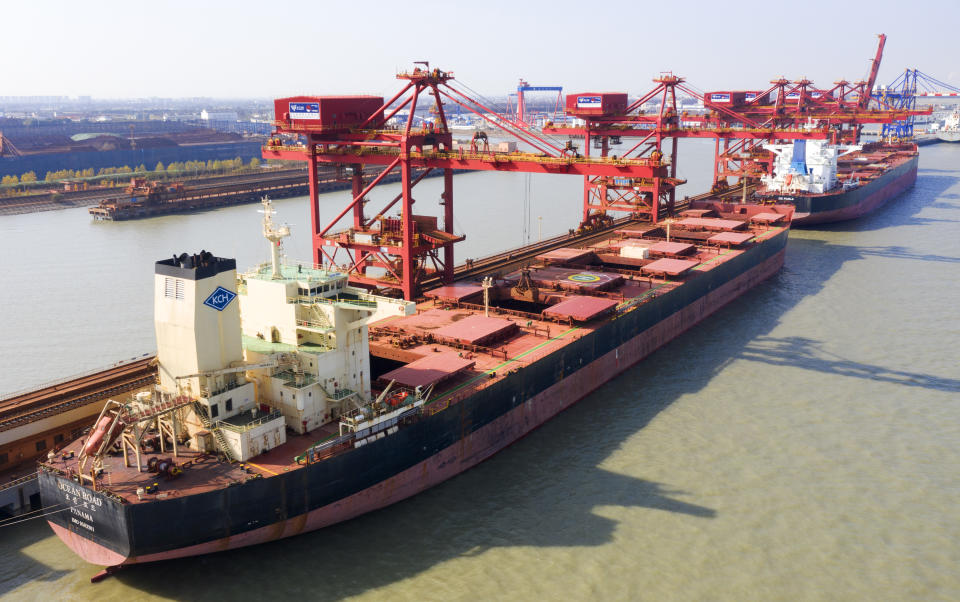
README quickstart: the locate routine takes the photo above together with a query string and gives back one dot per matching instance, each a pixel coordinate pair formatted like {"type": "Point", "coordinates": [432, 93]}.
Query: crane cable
{"type": "Point", "coordinates": [470, 92]}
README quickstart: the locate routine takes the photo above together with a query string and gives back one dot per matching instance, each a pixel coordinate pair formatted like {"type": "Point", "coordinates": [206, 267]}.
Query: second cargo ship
{"type": "Point", "coordinates": [830, 183]}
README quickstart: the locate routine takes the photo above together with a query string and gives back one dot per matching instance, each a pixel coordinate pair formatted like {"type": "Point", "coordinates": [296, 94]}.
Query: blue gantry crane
{"type": "Point", "coordinates": [903, 93]}
{"type": "Point", "coordinates": [522, 87]}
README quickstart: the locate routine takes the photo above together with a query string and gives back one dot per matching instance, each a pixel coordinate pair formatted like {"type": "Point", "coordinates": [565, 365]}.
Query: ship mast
{"type": "Point", "coordinates": [275, 234]}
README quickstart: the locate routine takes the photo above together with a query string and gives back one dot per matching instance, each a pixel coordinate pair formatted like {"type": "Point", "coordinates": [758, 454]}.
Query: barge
{"type": "Point", "coordinates": [145, 198]}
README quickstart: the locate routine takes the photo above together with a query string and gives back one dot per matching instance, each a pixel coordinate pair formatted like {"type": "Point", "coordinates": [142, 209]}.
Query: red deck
{"type": "Point", "coordinates": [572, 280]}
{"type": "Point", "coordinates": [697, 213]}
{"type": "Point", "coordinates": [671, 249]}
{"type": "Point", "coordinates": [767, 218]}
{"type": "Point", "coordinates": [580, 308]}
{"type": "Point", "coordinates": [731, 238]}
{"type": "Point", "coordinates": [454, 292]}
{"type": "Point", "coordinates": [429, 370]}
{"type": "Point", "coordinates": [669, 267]}
{"type": "Point", "coordinates": [638, 231]}
{"type": "Point", "coordinates": [477, 330]}
{"type": "Point", "coordinates": [565, 255]}
{"type": "Point", "coordinates": [713, 223]}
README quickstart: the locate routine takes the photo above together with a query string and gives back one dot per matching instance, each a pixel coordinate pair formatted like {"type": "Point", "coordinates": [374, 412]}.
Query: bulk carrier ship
{"type": "Point", "coordinates": [831, 183]}
{"type": "Point", "coordinates": [289, 400]}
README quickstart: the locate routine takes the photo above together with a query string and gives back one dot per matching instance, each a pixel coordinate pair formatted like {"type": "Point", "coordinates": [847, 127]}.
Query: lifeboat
{"type": "Point", "coordinates": [96, 438]}
{"type": "Point", "coordinates": [397, 399]}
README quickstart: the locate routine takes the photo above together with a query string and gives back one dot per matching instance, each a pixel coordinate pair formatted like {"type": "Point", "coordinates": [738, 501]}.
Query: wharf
{"type": "Point", "coordinates": [48, 201]}
{"type": "Point", "coordinates": [35, 422]}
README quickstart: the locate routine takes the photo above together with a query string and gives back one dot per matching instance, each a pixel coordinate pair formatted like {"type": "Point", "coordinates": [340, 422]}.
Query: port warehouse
{"type": "Point", "coordinates": [49, 145]}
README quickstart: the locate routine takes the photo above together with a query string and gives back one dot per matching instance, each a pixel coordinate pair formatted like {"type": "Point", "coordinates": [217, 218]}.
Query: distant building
{"type": "Point", "coordinates": [218, 115]}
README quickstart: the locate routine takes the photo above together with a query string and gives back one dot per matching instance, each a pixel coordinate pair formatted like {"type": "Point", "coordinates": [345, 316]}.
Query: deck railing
{"type": "Point", "coordinates": [242, 428]}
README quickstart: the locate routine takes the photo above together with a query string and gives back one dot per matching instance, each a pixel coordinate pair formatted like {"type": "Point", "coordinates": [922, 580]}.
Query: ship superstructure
{"type": "Point", "coordinates": [806, 166]}
{"type": "Point", "coordinates": [234, 386]}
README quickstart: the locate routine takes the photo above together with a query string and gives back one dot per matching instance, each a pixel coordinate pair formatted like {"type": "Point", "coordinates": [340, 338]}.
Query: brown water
{"type": "Point", "coordinates": [800, 444]}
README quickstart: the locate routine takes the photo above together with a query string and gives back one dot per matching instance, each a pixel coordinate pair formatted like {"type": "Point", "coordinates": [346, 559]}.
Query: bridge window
{"type": "Point", "coordinates": [58, 438]}
{"type": "Point", "coordinates": [3, 459]}
{"type": "Point", "coordinates": [41, 445]}
{"type": "Point", "coordinates": [214, 410]}
{"type": "Point", "coordinates": [230, 405]}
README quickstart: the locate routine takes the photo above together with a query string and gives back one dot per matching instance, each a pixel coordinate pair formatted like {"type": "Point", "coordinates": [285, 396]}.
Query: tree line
{"type": "Point", "coordinates": [175, 169]}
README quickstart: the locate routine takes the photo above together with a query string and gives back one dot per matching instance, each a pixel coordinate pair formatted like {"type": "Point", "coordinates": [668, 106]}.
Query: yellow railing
{"type": "Point", "coordinates": [492, 157]}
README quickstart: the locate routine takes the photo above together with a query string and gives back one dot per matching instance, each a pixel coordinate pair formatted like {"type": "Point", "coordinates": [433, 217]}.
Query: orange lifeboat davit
{"type": "Point", "coordinates": [100, 431]}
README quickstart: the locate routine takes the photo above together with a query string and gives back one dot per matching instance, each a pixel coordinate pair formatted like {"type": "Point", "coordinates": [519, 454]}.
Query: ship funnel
{"type": "Point", "coordinates": [197, 318]}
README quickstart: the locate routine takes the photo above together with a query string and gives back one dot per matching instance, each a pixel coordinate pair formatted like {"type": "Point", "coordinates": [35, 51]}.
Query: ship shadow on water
{"type": "Point", "coordinates": [901, 252]}
{"type": "Point", "coordinates": [544, 491]}
{"type": "Point", "coordinates": [18, 567]}
{"type": "Point", "coordinates": [810, 354]}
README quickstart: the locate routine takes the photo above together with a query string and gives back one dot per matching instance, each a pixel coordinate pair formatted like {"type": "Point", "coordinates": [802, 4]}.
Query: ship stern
{"type": "Point", "coordinates": [92, 524]}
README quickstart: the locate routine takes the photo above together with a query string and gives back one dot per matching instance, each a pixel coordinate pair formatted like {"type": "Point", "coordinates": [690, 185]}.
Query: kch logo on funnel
{"type": "Point", "coordinates": [220, 298]}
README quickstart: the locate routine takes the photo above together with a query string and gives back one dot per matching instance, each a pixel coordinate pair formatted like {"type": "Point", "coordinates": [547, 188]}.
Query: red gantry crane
{"type": "Point", "coordinates": [741, 122]}
{"type": "Point", "coordinates": [608, 117]}
{"type": "Point", "coordinates": [398, 252]}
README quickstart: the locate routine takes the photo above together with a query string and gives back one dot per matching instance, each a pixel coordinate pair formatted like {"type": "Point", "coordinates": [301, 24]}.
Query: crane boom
{"type": "Point", "coordinates": [874, 69]}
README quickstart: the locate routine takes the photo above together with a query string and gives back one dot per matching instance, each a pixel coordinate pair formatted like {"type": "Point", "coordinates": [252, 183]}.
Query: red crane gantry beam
{"type": "Point", "coordinates": [403, 249]}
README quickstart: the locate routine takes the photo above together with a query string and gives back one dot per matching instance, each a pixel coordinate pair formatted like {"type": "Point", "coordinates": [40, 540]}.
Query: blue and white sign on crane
{"type": "Point", "coordinates": [304, 110]}
{"type": "Point", "coordinates": [589, 102]}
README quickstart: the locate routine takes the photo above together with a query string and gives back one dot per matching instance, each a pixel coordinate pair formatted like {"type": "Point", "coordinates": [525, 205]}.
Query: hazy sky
{"type": "Point", "coordinates": [278, 48]}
